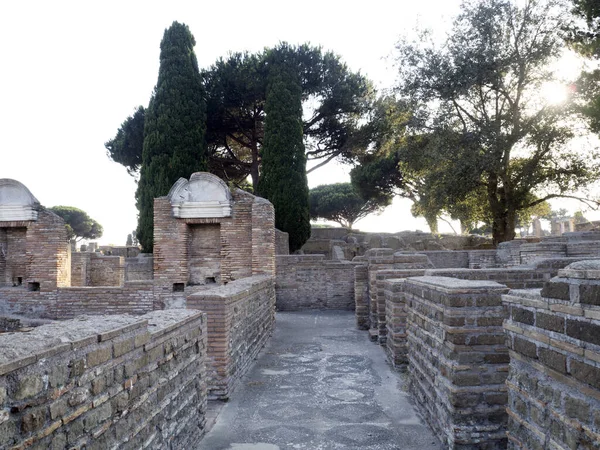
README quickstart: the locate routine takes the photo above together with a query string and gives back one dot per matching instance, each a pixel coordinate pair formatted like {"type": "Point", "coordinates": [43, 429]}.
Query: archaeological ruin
{"type": "Point", "coordinates": [500, 346]}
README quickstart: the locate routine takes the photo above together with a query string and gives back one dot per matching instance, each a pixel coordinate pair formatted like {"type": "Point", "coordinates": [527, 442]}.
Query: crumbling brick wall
{"type": "Point", "coordinates": [311, 282]}
{"type": "Point", "coordinates": [105, 382]}
{"type": "Point", "coordinates": [554, 378]}
{"type": "Point", "coordinates": [458, 360]}
{"type": "Point", "coordinates": [241, 317]}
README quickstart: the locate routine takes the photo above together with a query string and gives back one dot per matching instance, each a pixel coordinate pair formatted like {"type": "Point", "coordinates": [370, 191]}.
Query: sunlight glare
{"type": "Point", "coordinates": [554, 92]}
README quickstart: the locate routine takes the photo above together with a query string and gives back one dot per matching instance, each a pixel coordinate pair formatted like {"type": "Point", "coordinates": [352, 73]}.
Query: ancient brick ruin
{"type": "Point", "coordinates": [148, 339]}
{"type": "Point", "coordinates": [500, 346]}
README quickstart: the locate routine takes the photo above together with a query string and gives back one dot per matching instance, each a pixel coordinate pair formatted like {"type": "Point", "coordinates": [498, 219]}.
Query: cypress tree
{"type": "Point", "coordinates": [174, 126]}
{"type": "Point", "coordinates": [283, 179]}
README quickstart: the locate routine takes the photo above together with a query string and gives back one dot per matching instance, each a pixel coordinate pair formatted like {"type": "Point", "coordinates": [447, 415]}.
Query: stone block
{"type": "Point", "coordinates": [29, 386]}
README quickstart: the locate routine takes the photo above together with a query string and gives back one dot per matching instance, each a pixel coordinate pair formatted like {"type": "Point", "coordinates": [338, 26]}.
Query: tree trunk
{"type": "Point", "coordinates": [503, 228]}
{"type": "Point", "coordinates": [432, 222]}
{"type": "Point", "coordinates": [254, 176]}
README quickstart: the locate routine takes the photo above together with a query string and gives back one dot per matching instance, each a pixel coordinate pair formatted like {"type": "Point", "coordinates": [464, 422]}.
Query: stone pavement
{"type": "Point", "coordinates": [320, 384]}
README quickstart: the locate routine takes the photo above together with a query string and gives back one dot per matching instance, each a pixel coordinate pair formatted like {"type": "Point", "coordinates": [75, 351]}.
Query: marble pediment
{"type": "Point", "coordinates": [204, 195]}
{"type": "Point", "coordinates": [17, 203]}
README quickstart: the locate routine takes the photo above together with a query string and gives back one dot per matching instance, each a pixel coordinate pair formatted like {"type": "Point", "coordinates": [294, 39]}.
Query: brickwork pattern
{"type": "Point", "coordinates": [361, 293]}
{"type": "Point", "coordinates": [240, 319]}
{"type": "Point", "coordinates": [554, 378]}
{"type": "Point", "coordinates": [107, 270]}
{"type": "Point", "coordinates": [65, 303]}
{"type": "Point", "coordinates": [13, 255]}
{"type": "Point", "coordinates": [139, 268]}
{"type": "Point", "coordinates": [114, 382]}
{"type": "Point", "coordinates": [458, 360]}
{"type": "Point", "coordinates": [81, 268]}
{"type": "Point", "coordinates": [44, 258]}
{"type": "Point", "coordinates": [311, 282]}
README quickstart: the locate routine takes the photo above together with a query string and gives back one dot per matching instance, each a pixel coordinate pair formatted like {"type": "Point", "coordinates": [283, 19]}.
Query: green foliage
{"type": "Point", "coordinates": [174, 127]}
{"type": "Point", "coordinates": [283, 179]}
{"type": "Point", "coordinates": [79, 225]}
{"type": "Point", "coordinates": [129, 241]}
{"type": "Point", "coordinates": [585, 35]}
{"type": "Point", "coordinates": [579, 217]}
{"type": "Point", "coordinates": [341, 203]}
{"type": "Point", "coordinates": [126, 147]}
{"type": "Point", "coordinates": [236, 94]}
{"type": "Point", "coordinates": [477, 112]}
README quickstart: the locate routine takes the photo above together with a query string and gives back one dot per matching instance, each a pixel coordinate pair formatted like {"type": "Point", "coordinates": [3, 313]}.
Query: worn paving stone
{"type": "Point", "coordinates": [320, 384]}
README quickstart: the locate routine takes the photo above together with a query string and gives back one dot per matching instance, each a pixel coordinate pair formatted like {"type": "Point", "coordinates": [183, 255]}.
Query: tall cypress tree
{"type": "Point", "coordinates": [174, 126]}
{"type": "Point", "coordinates": [283, 179]}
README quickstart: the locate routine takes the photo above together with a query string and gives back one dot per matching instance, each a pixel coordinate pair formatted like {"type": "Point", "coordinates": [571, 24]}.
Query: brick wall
{"type": "Point", "coordinates": [443, 259]}
{"type": "Point", "coordinates": [383, 265]}
{"type": "Point", "coordinates": [514, 278]}
{"type": "Point", "coordinates": [66, 303]}
{"type": "Point", "coordinates": [240, 317]}
{"type": "Point", "coordinates": [458, 360]}
{"type": "Point", "coordinates": [80, 268]}
{"type": "Point", "coordinates": [282, 242]}
{"type": "Point", "coordinates": [531, 253]}
{"type": "Point", "coordinates": [107, 270]}
{"type": "Point", "coordinates": [312, 282]}
{"type": "Point", "coordinates": [554, 378]}
{"type": "Point", "coordinates": [16, 256]}
{"type": "Point", "coordinates": [139, 268]}
{"type": "Point", "coordinates": [48, 252]}
{"type": "Point", "coordinates": [361, 293]}
{"type": "Point", "coordinates": [263, 237]}
{"type": "Point", "coordinates": [105, 382]}
{"type": "Point", "coordinates": [3, 256]}
{"type": "Point", "coordinates": [247, 244]}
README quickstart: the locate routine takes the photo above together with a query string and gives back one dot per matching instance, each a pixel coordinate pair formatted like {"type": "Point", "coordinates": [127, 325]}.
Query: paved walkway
{"type": "Point", "coordinates": [318, 385]}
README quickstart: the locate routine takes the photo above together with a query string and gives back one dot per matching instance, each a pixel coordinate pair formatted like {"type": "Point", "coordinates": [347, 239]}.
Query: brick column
{"type": "Point", "coordinates": [554, 378]}
{"type": "Point", "coordinates": [458, 360]}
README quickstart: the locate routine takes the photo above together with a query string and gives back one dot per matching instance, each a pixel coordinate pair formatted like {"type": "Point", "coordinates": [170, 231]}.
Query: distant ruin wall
{"type": "Point", "coordinates": [107, 270]}
{"type": "Point", "coordinates": [458, 359]}
{"type": "Point", "coordinates": [311, 282]}
{"type": "Point", "coordinates": [282, 242]}
{"type": "Point", "coordinates": [554, 378]}
{"type": "Point", "coordinates": [65, 303]}
{"type": "Point", "coordinates": [105, 382]}
{"type": "Point", "coordinates": [240, 319]}
{"type": "Point", "coordinates": [139, 268]}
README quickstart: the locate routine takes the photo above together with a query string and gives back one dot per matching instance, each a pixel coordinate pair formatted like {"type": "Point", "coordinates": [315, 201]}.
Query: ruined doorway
{"type": "Point", "coordinates": [204, 254]}
{"type": "Point", "coordinates": [13, 256]}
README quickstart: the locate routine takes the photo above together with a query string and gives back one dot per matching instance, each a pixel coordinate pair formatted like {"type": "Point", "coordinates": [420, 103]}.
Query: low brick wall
{"type": "Point", "coordinates": [107, 270]}
{"type": "Point", "coordinates": [443, 259]}
{"type": "Point", "coordinates": [139, 268]}
{"type": "Point", "coordinates": [241, 317]}
{"type": "Point", "coordinates": [514, 277]}
{"type": "Point", "coordinates": [65, 303]}
{"type": "Point", "coordinates": [379, 297]}
{"type": "Point", "coordinates": [458, 360]}
{"type": "Point", "coordinates": [311, 282]}
{"type": "Point", "coordinates": [531, 253]}
{"type": "Point", "coordinates": [107, 382]}
{"type": "Point", "coordinates": [94, 269]}
{"type": "Point", "coordinates": [554, 378]}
